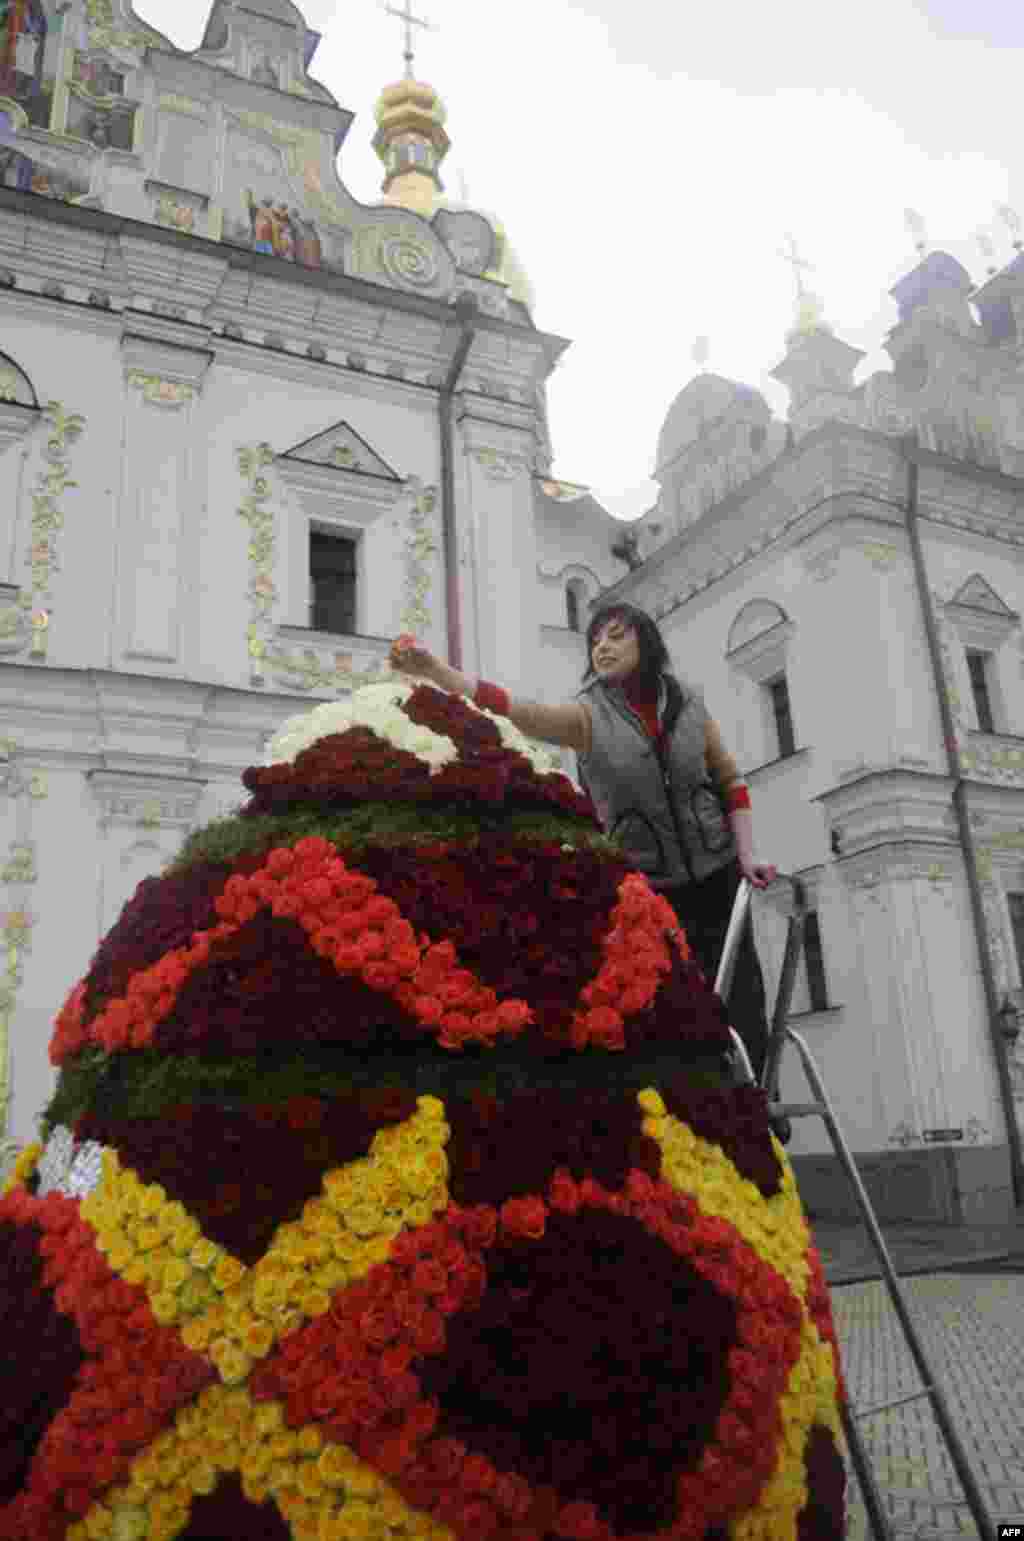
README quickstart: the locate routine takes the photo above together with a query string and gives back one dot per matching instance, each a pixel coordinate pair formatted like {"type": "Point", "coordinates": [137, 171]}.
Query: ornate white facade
{"type": "Point", "coordinates": [179, 411]}
{"type": "Point", "coordinates": [183, 403]}
{"type": "Point", "coordinates": [783, 550]}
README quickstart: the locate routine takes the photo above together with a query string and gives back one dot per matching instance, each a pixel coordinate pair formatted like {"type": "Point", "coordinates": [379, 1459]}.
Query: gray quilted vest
{"type": "Point", "coordinates": [663, 810]}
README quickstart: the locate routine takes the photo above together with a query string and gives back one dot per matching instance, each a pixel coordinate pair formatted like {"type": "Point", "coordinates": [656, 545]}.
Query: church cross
{"type": "Point", "coordinates": [796, 262]}
{"type": "Point", "coordinates": [409, 21]}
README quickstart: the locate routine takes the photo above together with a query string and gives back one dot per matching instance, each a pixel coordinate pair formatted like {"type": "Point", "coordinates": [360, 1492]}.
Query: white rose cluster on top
{"type": "Point", "coordinates": [379, 708]}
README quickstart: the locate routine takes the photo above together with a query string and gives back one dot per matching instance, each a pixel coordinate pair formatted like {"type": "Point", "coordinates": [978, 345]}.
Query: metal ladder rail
{"type": "Point", "coordinates": [780, 1035]}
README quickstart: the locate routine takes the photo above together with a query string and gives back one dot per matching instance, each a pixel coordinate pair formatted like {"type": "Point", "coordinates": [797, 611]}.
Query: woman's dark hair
{"type": "Point", "coordinates": [654, 659]}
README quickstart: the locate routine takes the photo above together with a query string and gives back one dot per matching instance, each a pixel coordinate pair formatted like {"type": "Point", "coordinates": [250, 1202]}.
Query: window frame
{"type": "Point", "coordinates": [776, 718]}
{"type": "Point", "coordinates": [982, 693]}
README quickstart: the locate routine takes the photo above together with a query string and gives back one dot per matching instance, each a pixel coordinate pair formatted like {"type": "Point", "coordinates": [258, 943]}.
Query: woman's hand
{"type": "Point", "coordinates": [409, 656]}
{"type": "Point", "coordinates": [758, 875]}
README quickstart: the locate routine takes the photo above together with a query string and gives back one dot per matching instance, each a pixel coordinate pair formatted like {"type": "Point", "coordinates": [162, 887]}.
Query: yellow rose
{"type": "Point", "coordinates": [431, 1108]}
{"type": "Point", "coordinates": [308, 1481]}
{"type": "Point", "coordinates": [338, 1185]}
{"type": "Point", "coordinates": [232, 1365]}
{"type": "Point", "coordinates": [203, 1477]}
{"type": "Point", "coordinates": [255, 1490]}
{"type": "Point", "coordinates": [335, 1465]}
{"type": "Point", "coordinates": [196, 1293]}
{"type": "Point", "coordinates": [98, 1522]}
{"type": "Point", "coordinates": [121, 1255]}
{"type": "Point", "coordinates": [204, 1254]}
{"type": "Point", "coordinates": [196, 1334]}
{"type": "Point", "coordinates": [310, 1440]}
{"type": "Point", "coordinates": [330, 1277]}
{"type": "Point", "coordinates": [184, 1237]}
{"type": "Point", "coordinates": [164, 1307]}
{"type": "Point", "coordinates": [256, 1461]}
{"type": "Point", "coordinates": [285, 1442]}
{"type": "Point", "coordinates": [364, 1219]}
{"type": "Point", "coordinates": [129, 1525]}
{"type": "Point", "coordinates": [268, 1417]}
{"type": "Point", "coordinates": [651, 1102]}
{"type": "Point", "coordinates": [228, 1273]}
{"type": "Point", "coordinates": [151, 1200]}
{"type": "Point", "coordinates": [315, 1302]}
{"type": "Point", "coordinates": [147, 1237]}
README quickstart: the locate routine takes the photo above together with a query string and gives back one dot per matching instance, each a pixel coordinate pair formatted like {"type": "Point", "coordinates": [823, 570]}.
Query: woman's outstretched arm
{"type": "Point", "coordinates": [567, 726]}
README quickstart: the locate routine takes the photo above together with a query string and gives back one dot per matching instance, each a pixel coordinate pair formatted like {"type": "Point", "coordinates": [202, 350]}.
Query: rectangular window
{"type": "Point", "coordinates": [978, 669]}
{"type": "Point", "coordinates": [778, 695]}
{"type": "Point", "coordinates": [332, 583]}
{"type": "Point", "coordinates": [1016, 903]}
{"type": "Point", "coordinates": [817, 988]}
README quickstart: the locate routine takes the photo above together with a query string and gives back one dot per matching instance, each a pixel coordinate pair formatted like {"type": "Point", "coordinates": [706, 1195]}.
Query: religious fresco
{"type": "Point", "coordinates": [30, 34]}
{"type": "Point", "coordinates": [50, 174]}
{"type": "Point", "coordinates": [261, 212]}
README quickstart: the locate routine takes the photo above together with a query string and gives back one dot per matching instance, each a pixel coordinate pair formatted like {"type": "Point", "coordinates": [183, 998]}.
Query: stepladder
{"type": "Point", "coordinates": [781, 1039]}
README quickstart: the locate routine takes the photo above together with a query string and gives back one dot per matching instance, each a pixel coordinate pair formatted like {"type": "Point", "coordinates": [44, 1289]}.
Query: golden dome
{"type": "Point", "coordinates": [409, 96]}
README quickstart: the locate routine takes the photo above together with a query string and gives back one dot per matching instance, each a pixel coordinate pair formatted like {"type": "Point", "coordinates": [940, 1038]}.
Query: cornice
{"type": "Point", "coordinates": [97, 720]}
{"type": "Point", "coordinates": [149, 801]}
{"type": "Point", "coordinates": [891, 805]}
{"type": "Point", "coordinates": [21, 214]}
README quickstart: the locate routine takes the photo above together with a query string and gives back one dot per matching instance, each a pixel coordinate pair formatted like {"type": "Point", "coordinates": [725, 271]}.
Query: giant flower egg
{"type": "Point", "coordinates": [396, 1185]}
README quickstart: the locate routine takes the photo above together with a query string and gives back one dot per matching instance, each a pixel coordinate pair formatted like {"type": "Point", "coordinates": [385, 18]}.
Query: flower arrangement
{"type": "Point", "coordinates": [420, 1203]}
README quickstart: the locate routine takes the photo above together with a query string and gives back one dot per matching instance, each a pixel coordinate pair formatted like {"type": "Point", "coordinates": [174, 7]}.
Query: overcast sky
{"type": "Point", "coordinates": [649, 160]}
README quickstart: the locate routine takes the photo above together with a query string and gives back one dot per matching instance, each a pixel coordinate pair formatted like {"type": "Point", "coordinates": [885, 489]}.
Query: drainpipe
{"type": "Point", "coordinates": [465, 309]}
{"type": "Point", "coordinates": [964, 826]}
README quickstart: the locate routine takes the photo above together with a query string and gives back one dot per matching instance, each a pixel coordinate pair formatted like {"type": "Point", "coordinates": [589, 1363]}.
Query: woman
{"type": "Point", "coordinates": [660, 779]}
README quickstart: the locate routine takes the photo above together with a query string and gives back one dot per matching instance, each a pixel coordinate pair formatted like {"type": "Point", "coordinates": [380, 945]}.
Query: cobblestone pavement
{"type": "Point", "coordinates": [972, 1329]}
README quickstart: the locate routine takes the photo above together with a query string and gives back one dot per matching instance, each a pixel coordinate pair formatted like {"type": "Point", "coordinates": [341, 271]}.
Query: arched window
{"type": "Point", "coordinates": [572, 606]}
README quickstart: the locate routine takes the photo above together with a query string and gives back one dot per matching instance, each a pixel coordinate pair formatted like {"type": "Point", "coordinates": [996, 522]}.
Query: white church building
{"type": "Point", "coordinates": [251, 429]}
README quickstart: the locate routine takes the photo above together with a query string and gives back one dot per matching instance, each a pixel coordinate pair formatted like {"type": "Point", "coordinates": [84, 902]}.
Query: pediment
{"type": "Point", "coordinates": [341, 448]}
{"type": "Point", "coordinates": [977, 594]}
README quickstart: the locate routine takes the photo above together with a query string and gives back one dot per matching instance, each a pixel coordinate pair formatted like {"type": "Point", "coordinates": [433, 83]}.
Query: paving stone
{"type": "Point", "coordinates": [970, 1327]}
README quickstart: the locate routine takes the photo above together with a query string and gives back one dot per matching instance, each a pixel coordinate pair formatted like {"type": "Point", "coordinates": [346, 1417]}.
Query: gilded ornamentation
{"type": "Point", "coordinates": [16, 922]}
{"type": "Point", "coordinates": [35, 602]}
{"type": "Point", "coordinates": [252, 463]}
{"type": "Point", "coordinates": [165, 393]}
{"type": "Point", "coordinates": [406, 261]}
{"type": "Point", "coordinates": [879, 554]}
{"type": "Point", "coordinates": [420, 547]}
{"type": "Point", "coordinates": [499, 467]}
{"type": "Point", "coordinates": [103, 33]}
{"type": "Point", "coordinates": [183, 104]}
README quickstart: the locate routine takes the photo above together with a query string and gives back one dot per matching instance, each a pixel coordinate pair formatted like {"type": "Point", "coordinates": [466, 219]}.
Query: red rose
{"type": "Point", "coordinates": [429, 1278]}
{"type": "Point", "coordinates": [446, 1457]}
{"type": "Point", "coordinates": [563, 1194]}
{"type": "Point", "coordinates": [429, 1335]}
{"type": "Point", "coordinates": [421, 1421]}
{"type": "Point", "coordinates": [478, 1475]}
{"type": "Point", "coordinates": [524, 1217]}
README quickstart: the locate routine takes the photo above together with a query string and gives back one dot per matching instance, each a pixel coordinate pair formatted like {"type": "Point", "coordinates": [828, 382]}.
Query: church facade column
{"type": "Point", "coordinates": [496, 537]}
{"type": "Point", "coordinates": [157, 535]}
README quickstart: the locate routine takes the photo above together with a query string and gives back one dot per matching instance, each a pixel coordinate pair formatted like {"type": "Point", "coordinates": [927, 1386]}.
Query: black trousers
{"type": "Point", "coordinates": [704, 909]}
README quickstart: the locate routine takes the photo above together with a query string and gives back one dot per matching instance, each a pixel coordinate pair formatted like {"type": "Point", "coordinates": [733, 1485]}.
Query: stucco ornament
{"type": "Point", "coordinates": [161, 392]}
{"type": "Point", "coordinates": [17, 874]}
{"type": "Point", "coordinates": [252, 463]}
{"type": "Point", "coordinates": [35, 602]}
{"type": "Point", "coordinates": [420, 548]}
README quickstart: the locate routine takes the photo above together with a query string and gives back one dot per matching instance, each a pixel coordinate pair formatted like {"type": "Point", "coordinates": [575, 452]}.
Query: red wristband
{"type": "Point", "coordinates": [739, 797]}
{"type": "Point", "coordinates": [491, 698]}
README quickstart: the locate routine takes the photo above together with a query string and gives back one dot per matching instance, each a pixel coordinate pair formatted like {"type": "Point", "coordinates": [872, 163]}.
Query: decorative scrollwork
{"type": "Point", "coordinates": [407, 262]}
